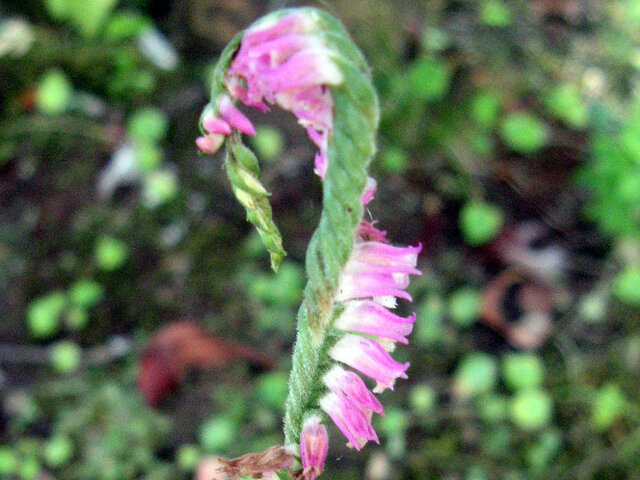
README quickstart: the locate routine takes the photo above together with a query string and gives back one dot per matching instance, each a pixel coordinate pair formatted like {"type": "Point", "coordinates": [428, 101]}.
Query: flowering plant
{"type": "Point", "coordinates": [303, 61]}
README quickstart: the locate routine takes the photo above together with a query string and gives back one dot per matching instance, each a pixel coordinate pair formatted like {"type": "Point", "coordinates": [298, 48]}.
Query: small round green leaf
{"type": "Point", "coordinates": [8, 461]}
{"type": "Point", "coordinates": [477, 373]}
{"type": "Point", "coordinates": [58, 451]}
{"type": "Point", "coordinates": [188, 457]}
{"type": "Point", "coordinates": [485, 107]}
{"type": "Point", "coordinates": [565, 103]}
{"type": "Point", "coordinates": [464, 306]}
{"type": "Point", "coordinates": [394, 160]}
{"type": "Point", "coordinates": [531, 409]}
{"type": "Point", "coordinates": [480, 222]}
{"type": "Point", "coordinates": [522, 370]}
{"type": "Point", "coordinates": [495, 13]}
{"type": "Point", "coordinates": [524, 133]}
{"type": "Point", "coordinates": [394, 422]}
{"type": "Point", "coordinates": [29, 469]}
{"type": "Point", "coordinates": [608, 406]}
{"type": "Point", "coordinates": [268, 142]}
{"type": "Point", "coordinates": [272, 389]}
{"type": "Point", "coordinates": [53, 93]}
{"type": "Point", "coordinates": [43, 314]}
{"type": "Point", "coordinates": [110, 253]}
{"type": "Point", "coordinates": [218, 433]}
{"type": "Point", "coordinates": [429, 79]}
{"type": "Point", "coordinates": [66, 357]}
{"type": "Point", "coordinates": [626, 286]}
{"type": "Point", "coordinates": [148, 125]}
{"type": "Point", "coordinates": [423, 399]}
{"type": "Point", "coordinates": [86, 293]}
{"type": "Point", "coordinates": [159, 188]}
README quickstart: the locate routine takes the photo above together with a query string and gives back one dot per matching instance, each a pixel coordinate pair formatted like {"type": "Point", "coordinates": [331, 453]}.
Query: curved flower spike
{"type": "Point", "coordinates": [303, 61]}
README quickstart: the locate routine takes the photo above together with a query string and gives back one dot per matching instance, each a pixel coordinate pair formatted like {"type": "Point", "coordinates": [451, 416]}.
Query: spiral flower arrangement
{"type": "Point", "coordinates": [303, 61]}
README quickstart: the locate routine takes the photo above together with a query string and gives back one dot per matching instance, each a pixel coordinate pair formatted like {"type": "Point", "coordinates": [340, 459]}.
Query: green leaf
{"type": "Point", "coordinates": [428, 330]}
{"type": "Point", "coordinates": [492, 408]}
{"type": "Point", "coordinates": [531, 409]}
{"type": "Point", "coordinates": [43, 314]}
{"type": "Point", "coordinates": [77, 318]}
{"type": "Point", "coordinates": [188, 457]}
{"type": "Point", "coordinates": [66, 357]}
{"type": "Point", "coordinates": [477, 373]}
{"type": "Point", "coordinates": [565, 103]}
{"type": "Point", "coordinates": [480, 222]}
{"type": "Point", "coordinates": [148, 125]}
{"type": "Point", "coordinates": [394, 422]}
{"type": "Point", "coordinates": [148, 156]}
{"type": "Point", "coordinates": [89, 16]}
{"type": "Point", "coordinates": [123, 25]}
{"type": "Point", "coordinates": [53, 93]}
{"type": "Point", "coordinates": [283, 289]}
{"type": "Point", "coordinates": [8, 461]}
{"type": "Point", "coordinates": [485, 107]}
{"type": "Point", "coordinates": [110, 253]}
{"type": "Point", "coordinates": [423, 399]}
{"type": "Point", "coordinates": [428, 79]}
{"type": "Point", "coordinates": [86, 293]}
{"type": "Point", "coordinates": [522, 370]}
{"type": "Point", "coordinates": [394, 160]}
{"type": "Point", "coordinates": [272, 389]}
{"type": "Point", "coordinates": [464, 306]}
{"type": "Point", "coordinates": [158, 188]}
{"type": "Point", "coordinates": [268, 142]}
{"type": "Point", "coordinates": [626, 286]}
{"type": "Point", "coordinates": [524, 133]}
{"type": "Point", "coordinates": [544, 450]}
{"type": "Point", "coordinates": [218, 433]}
{"type": "Point", "coordinates": [495, 13]}
{"type": "Point", "coordinates": [30, 468]}
{"type": "Point", "coordinates": [59, 9]}
{"type": "Point", "coordinates": [58, 451]}
{"type": "Point", "coordinates": [608, 406]}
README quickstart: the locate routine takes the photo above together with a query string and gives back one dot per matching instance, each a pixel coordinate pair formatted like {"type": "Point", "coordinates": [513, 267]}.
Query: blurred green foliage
{"type": "Point", "coordinates": [494, 112]}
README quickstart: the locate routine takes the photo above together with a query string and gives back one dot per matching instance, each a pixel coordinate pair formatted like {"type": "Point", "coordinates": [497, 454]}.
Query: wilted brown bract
{"type": "Point", "coordinates": [257, 465]}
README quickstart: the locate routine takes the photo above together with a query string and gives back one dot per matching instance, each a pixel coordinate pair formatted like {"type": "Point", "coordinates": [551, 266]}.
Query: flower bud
{"type": "Point", "coordinates": [314, 444]}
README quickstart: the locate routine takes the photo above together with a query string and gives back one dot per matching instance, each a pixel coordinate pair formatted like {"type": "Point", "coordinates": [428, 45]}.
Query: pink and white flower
{"type": "Point", "coordinates": [314, 445]}
{"type": "Point", "coordinates": [372, 318]}
{"type": "Point", "coordinates": [375, 275]}
{"type": "Point", "coordinates": [281, 62]}
{"type": "Point", "coordinates": [370, 358]}
{"type": "Point", "coordinates": [354, 424]}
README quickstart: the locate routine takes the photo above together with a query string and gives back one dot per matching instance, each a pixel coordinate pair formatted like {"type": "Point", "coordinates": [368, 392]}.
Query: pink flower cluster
{"type": "Point", "coordinates": [280, 62]}
{"type": "Point", "coordinates": [375, 276]}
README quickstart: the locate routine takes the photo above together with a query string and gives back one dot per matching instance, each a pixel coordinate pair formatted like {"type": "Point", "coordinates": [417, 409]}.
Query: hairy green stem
{"type": "Point", "coordinates": [350, 150]}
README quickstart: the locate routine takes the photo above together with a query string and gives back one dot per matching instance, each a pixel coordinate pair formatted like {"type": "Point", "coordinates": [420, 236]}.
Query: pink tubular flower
{"type": "Point", "coordinates": [371, 318]}
{"type": "Point", "coordinates": [234, 117]}
{"type": "Point", "coordinates": [314, 445]}
{"type": "Point", "coordinates": [369, 358]}
{"type": "Point", "coordinates": [375, 275]}
{"type": "Point", "coordinates": [355, 425]}
{"type": "Point", "coordinates": [377, 269]}
{"type": "Point", "coordinates": [350, 386]}
{"type": "Point", "coordinates": [284, 63]}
